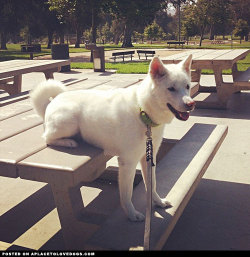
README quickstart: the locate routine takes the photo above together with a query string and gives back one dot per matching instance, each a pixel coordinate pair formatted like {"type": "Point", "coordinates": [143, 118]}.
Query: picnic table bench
{"type": "Point", "coordinates": [217, 60]}
{"type": "Point", "coordinates": [24, 154]}
{"type": "Point", "coordinates": [30, 49]}
{"type": "Point", "coordinates": [12, 71]}
{"type": "Point", "coordinates": [217, 42]}
{"type": "Point", "coordinates": [145, 53]}
{"type": "Point", "coordinates": [117, 55]}
{"type": "Point", "coordinates": [176, 43]}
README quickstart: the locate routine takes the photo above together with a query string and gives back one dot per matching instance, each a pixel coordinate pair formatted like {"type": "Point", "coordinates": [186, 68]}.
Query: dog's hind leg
{"type": "Point", "coordinates": [58, 134]}
{"type": "Point", "coordinates": [156, 198]}
{"type": "Point", "coordinates": [126, 179]}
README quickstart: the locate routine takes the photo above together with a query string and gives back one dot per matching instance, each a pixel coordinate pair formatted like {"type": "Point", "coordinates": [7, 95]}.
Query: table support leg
{"type": "Point", "coordinates": [69, 203]}
{"type": "Point", "coordinates": [12, 88]}
{"type": "Point", "coordinates": [49, 73]}
{"type": "Point", "coordinates": [196, 75]}
{"type": "Point", "coordinates": [224, 90]}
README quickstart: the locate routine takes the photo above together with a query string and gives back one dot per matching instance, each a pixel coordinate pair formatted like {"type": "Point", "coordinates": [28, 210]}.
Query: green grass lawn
{"type": "Point", "coordinates": [142, 67]}
{"type": "Point", "coordinates": [14, 52]}
{"type": "Point", "coordinates": [126, 68]}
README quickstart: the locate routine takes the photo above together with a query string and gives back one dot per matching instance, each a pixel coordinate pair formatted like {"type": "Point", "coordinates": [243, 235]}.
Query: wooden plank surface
{"type": "Point", "coordinates": [14, 109]}
{"type": "Point", "coordinates": [209, 56]}
{"type": "Point", "coordinates": [83, 163]}
{"type": "Point", "coordinates": [182, 55]}
{"type": "Point", "coordinates": [17, 64]}
{"type": "Point", "coordinates": [18, 147]}
{"type": "Point", "coordinates": [22, 67]}
{"type": "Point", "coordinates": [18, 124]}
{"type": "Point", "coordinates": [199, 54]}
{"type": "Point", "coordinates": [176, 180]}
{"type": "Point", "coordinates": [234, 55]}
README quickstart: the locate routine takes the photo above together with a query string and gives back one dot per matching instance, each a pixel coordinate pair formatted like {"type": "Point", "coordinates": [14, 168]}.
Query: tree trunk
{"type": "Point", "coordinates": [211, 36]}
{"type": "Point", "coordinates": [78, 37]}
{"type": "Point", "coordinates": [3, 41]}
{"type": "Point", "coordinates": [179, 20]}
{"type": "Point", "coordinates": [127, 42]}
{"type": "Point", "coordinates": [202, 33]}
{"type": "Point", "coordinates": [116, 39]}
{"type": "Point", "coordinates": [61, 37]}
{"type": "Point", "coordinates": [50, 39]}
{"type": "Point", "coordinates": [94, 27]}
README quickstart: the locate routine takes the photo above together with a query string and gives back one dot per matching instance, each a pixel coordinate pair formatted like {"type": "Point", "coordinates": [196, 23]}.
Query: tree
{"type": "Point", "coordinates": [241, 29]}
{"type": "Point", "coordinates": [10, 17]}
{"type": "Point", "coordinates": [134, 14]}
{"type": "Point", "coordinates": [241, 10]}
{"type": "Point", "coordinates": [209, 14]}
{"type": "Point", "coordinates": [117, 28]}
{"type": "Point", "coordinates": [153, 31]}
{"type": "Point", "coordinates": [105, 33]}
{"type": "Point", "coordinates": [163, 19]}
{"type": "Point", "coordinates": [52, 24]}
{"type": "Point", "coordinates": [219, 19]}
{"type": "Point", "coordinates": [75, 13]}
{"type": "Point", "coordinates": [177, 4]}
{"type": "Point", "coordinates": [189, 25]}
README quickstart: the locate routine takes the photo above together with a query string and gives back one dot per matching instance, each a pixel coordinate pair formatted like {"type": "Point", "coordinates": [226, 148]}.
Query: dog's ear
{"type": "Point", "coordinates": [186, 64]}
{"type": "Point", "coordinates": [157, 68]}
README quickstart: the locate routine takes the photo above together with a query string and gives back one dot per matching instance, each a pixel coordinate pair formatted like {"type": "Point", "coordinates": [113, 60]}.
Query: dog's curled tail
{"type": "Point", "coordinates": [43, 93]}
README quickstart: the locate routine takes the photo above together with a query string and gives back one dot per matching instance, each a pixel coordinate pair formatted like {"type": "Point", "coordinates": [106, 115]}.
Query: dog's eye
{"type": "Point", "coordinates": [188, 86]}
{"type": "Point", "coordinates": [172, 89]}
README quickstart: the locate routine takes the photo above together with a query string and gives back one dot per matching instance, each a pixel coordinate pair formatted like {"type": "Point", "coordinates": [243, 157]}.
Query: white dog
{"type": "Point", "coordinates": [111, 119]}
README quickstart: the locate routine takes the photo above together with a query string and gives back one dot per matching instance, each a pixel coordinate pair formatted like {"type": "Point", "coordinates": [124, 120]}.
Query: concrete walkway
{"type": "Point", "coordinates": [216, 218]}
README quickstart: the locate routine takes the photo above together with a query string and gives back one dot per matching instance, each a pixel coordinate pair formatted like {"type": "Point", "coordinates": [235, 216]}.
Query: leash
{"type": "Point", "coordinates": [150, 163]}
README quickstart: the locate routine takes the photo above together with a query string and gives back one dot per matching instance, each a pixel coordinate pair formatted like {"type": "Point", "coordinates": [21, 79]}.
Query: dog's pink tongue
{"type": "Point", "coordinates": [184, 115]}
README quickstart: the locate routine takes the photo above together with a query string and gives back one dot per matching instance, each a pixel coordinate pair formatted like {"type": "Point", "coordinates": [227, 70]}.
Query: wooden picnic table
{"type": "Point", "coordinates": [217, 60]}
{"type": "Point", "coordinates": [12, 71]}
{"type": "Point", "coordinates": [24, 154]}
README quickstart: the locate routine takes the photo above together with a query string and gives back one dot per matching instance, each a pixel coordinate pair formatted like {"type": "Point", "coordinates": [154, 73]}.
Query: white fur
{"type": "Point", "coordinates": [110, 119]}
{"type": "Point", "coordinates": [43, 94]}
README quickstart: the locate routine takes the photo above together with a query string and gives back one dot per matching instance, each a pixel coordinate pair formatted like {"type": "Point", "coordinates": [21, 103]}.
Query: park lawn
{"type": "Point", "coordinates": [125, 68]}
{"type": "Point", "coordinates": [14, 52]}
{"type": "Point", "coordinates": [142, 67]}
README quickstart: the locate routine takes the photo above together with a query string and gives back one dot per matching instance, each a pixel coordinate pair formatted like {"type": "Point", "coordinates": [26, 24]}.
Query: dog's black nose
{"type": "Point", "coordinates": [191, 105]}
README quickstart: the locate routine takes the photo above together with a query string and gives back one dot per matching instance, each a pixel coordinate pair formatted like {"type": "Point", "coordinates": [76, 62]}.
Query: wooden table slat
{"type": "Point", "coordinates": [213, 55]}
{"type": "Point", "coordinates": [14, 109]}
{"type": "Point", "coordinates": [32, 66]}
{"type": "Point", "coordinates": [18, 124]}
{"type": "Point", "coordinates": [19, 147]}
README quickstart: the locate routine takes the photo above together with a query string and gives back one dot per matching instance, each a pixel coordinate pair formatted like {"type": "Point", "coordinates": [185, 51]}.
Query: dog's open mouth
{"type": "Point", "coordinates": [179, 115]}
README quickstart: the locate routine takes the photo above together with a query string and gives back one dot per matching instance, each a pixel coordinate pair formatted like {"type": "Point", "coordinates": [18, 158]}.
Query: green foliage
{"type": "Point", "coordinates": [134, 14]}
{"type": "Point", "coordinates": [105, 33]}
{"type": "Point", "coordinates": [241, 28]}
{"type": "Point", "coordinates": [153, 32]}
{"type": "Point", "coordinates": [189, 23]}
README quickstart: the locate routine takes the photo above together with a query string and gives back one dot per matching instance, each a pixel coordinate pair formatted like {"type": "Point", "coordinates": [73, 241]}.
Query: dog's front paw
{"type": "Point", "coordinates": [162, 202]}
{"type": "Point", "coordinates": [136, 216]}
